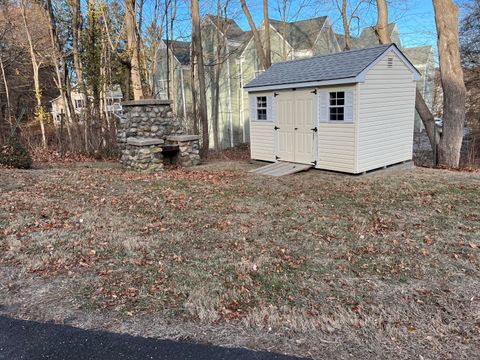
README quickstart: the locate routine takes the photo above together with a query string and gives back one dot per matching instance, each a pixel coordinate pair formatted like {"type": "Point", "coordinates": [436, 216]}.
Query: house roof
{"type": "Point", "coordinates": [228, 27]}
{"type": "Point", "coordinates": [367, 37]}
{"type": "Point", "coordinates": [231, 30]}
{"type": "Point", "coordinates": [340, 67]}
{"type": "Point", "coordinates": [181, 50]}
{"type": "Point", "coordinates": [301, 35]}
{"type": "Point", "coordinates": [418, 55]}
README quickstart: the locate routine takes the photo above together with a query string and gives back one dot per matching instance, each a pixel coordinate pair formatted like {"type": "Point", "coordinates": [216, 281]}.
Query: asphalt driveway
{"type": "Point", "coordinates": [31, 340]}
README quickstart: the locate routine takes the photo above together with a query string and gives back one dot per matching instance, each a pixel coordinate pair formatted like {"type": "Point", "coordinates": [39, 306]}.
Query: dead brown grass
{"type": "Point", "coordinates": [317, 264]}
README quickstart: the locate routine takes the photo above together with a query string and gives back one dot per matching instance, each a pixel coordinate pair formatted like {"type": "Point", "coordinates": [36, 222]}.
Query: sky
{"type": "Point", "coordinates": [415, 18]}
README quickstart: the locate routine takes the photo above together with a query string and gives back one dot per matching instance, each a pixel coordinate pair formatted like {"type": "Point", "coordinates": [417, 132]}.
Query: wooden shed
{"type": "Point", "coordinates": [351, 111]}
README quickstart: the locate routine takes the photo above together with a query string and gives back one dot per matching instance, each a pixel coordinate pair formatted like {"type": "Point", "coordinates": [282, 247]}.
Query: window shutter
{"type": "Point", "coordinates": [349, 106]}
{"type": "Point", "coordinates": [271, 108]}
{"type": "Point", "coordinates": [253, 108]}
{"type": "Point", "coordinates": [323, 107]}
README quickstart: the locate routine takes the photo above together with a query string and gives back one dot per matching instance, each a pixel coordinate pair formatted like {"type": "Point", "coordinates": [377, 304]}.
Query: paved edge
{"type": "Point", "coordinates": [22, 339]}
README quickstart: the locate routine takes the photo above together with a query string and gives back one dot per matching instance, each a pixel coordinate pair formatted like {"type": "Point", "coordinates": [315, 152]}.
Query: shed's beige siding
{"type": "Point", "coordinates": [386, 103]}
{"type": "Point", "coordinates": [336, 141]}
{"type": "Point", "coordinates": [262, 146]}
{"type": "Point", "coordinates": [262, 135]}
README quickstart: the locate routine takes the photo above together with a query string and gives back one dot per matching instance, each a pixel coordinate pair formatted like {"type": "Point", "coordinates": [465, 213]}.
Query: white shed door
{"type": "Point", "coordinates": [296, 119]}
{"type": "Point", "coordinates": [286, 125]}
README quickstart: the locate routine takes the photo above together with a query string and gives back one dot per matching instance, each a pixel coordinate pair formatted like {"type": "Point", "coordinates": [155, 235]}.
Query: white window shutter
{"type": "Point", "coordinates": [253, 108]}
{"type": "Point", "coordinates": [349, 106]}
{"type": "Point", "coordinates": [271, 108]}
{"type": "Point", "coordinates": [323, 106]}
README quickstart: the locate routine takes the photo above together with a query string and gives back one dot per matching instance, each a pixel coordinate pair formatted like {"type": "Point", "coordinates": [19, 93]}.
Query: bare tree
{"type": "Point", "coordinates": [36, 63]}
{"type": "Point", "coordinates": [347, 19]}
{"type": "Point", "coordinates": [261, 53]}
{"type": "Point", "coordinates": [451, 73]}
{"type": "Point", "coordinates": [133, 48]}
{"type": "Point", "coordinates": [266, 23]}
{"type": "Point", "coordinates": [198, 57]}
{"type": "Point", "coordinates": [382, 22]}
{"type": "Point", "coordinates": [420, 105]}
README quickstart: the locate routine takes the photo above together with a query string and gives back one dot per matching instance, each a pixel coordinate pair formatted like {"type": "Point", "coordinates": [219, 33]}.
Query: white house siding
{"type": "Point", "coordinates": [336, 141]}
{"type": "Point", "coordinates": [386, 115]}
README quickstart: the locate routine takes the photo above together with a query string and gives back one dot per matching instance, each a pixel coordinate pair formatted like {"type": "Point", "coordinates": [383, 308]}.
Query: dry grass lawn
{"type": "Point", "coordinates": [317, 264]}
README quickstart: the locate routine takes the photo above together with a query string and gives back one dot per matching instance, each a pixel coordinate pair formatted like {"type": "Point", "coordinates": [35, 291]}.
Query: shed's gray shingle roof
{"type": "Point", "coordinates": [340, 65]}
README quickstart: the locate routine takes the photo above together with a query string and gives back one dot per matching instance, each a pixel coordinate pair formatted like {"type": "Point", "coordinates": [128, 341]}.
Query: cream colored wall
{"type": "Point", "coordinates": [262, 135]}
{"type": "Point", "coordinates": [386, 115]}
{"type": "Point", "coordinates": [337, 141]}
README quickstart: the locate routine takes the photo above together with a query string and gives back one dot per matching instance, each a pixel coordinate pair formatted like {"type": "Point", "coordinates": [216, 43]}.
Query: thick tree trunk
{"type": "Point", "coordinates": [382, 22]}
{"type": "Point", "coordinates": [197, 41]}
{"type": "Point", "coordinates": [420, 105]}
{"type": "Point", "coordinates": [266, 19]}
{"type": "Point", "coordinates": [133, 48]}
{"type": "Point", "coordinates": [193, 89]}
{"type": "Point", "coordinates": [454, 92]}
{"type": "Point", "coordinates": [256, 36]}
{"type": "Point", "coordinates": [346, 23]}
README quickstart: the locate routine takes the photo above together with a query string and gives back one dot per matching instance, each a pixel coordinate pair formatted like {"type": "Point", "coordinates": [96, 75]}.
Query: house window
{"type": "Point", "coordinates": [261, 108]}
{"type": "Point", "coordinates": [337, 106]}
{"type": "Point", "coordinates": [79, 103]}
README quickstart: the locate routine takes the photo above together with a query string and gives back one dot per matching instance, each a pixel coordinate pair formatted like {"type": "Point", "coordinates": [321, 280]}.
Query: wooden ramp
{"type": "Point", "coordinates": [281, 168]}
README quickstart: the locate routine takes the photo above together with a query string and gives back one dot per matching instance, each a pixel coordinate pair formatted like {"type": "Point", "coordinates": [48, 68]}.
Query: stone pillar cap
{"type": "Point", "coordinates": [183, 137]}
{"type": "Point", "coordinates": [146, 102]}
{"type": "Point", "coordinates": [144, 141]}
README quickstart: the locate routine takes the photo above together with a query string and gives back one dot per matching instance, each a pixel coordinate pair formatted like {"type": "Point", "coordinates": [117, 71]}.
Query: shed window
{"type": "Point", "coordinates": [337, 106]}
{"type": "Point", "coordinates": [261, 108]}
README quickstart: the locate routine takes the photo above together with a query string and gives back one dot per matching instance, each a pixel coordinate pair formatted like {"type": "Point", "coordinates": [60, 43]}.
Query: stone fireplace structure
{"type": "Point", "coordinates": [150, 135]}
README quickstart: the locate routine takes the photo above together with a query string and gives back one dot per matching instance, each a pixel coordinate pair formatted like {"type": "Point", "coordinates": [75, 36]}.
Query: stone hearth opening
{"type": "Point", "coordinates": [150, 135]}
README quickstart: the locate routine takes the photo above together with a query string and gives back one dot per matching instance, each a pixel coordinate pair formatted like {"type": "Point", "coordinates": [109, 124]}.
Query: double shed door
{"type": "Point", "coordinates": [295, 123]}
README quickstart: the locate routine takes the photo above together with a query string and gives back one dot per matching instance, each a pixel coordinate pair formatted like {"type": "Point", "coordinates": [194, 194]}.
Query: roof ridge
{"type": "Point", "coordinates": [298, 21]}
{"type": "Point", "coordinates": [337, 53]}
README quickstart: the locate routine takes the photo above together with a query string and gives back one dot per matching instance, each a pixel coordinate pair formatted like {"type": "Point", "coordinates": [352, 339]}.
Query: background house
{"type": "Point", "coordinates": [175, 83]}
{"type": "Point", "coordinates": [112, 103]}
{"type": "Point", "coordinates": [231, 61]}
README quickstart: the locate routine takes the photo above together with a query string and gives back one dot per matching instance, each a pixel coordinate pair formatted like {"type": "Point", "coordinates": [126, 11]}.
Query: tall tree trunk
{"type": "Point", "coordinates": [256, 36]}
{"type": "Point", "coordinates": [266, 20]}
{"type": "Point", "coordinates": [7, 95]}
{"type": "Point", "coordinates": [197, 41]}
{"type": "Point", "coordinates": [193, 88]}
{"type": "Point", "coordinates": [451, 73]}
{"type": "Point", "coordinates": [216, 69]}
{"type": "Point", "coordinates": [420, 105]}
{"type": "Point", "coordinates": [284, 29]}
{"type": "Point", "coordinates": [346, 24]}
{"type": "Point", "coordinates": [382, 22]}
{"type": "Point", "coordinates": [133, 48]}
{"type": "Point", "coordinates": [63, 81]}
{"type": "Point", "coordinates": [77, 25]}
{"type": "Point", "coordinates": [39, 111]}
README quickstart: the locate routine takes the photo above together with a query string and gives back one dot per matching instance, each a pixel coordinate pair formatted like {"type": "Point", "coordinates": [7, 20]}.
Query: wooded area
{"type": "Point", "coordinates": [76, 53]}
